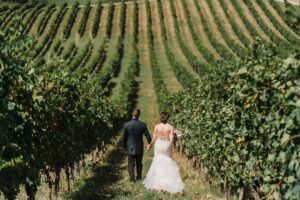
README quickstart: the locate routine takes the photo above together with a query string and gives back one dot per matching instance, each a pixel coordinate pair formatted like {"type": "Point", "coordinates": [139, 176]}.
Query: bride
{"type": "Point", "coordinates": [163, 174]}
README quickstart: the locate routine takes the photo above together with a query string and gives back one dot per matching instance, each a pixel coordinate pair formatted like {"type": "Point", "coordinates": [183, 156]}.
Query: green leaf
{"type": "Point", "coordinates": [285, 138]}
{"type": "Point", "coordinates": [243, 70]}
{"type": "Point", "coordinates": [267, 178]}
{"type": "Point", "coordinates": [11, 105]}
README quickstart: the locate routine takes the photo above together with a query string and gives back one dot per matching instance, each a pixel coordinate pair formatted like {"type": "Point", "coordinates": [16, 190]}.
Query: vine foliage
{"type": "Point", "coordinates": [242, 123]}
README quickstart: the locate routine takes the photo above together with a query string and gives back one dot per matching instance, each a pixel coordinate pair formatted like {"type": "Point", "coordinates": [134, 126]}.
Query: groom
{"type": "Point", "coordinates": [134, 145]}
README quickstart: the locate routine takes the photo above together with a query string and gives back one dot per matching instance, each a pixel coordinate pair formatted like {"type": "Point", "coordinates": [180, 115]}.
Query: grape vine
{"type": "Point", "coordinates": [71, 20]}
{"type": "Point", "coordinates": [97, 20]}
{"type": "Point", "coordinates": [240, 132]}
{"type": "Point", "coordinates": [84, 19]}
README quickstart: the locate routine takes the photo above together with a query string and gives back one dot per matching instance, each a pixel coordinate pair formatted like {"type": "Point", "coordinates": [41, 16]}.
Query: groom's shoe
{"type": "Point", "coordinates": [138, 178]}
{"type": "Point", "coordinates": [132, 180]}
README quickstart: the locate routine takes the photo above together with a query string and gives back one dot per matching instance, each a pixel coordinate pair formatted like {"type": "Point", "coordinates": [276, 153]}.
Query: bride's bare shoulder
{"type": "Point", "coordinates": [170, 126]}
{"type": "Point", "coordinates": [158, 125]}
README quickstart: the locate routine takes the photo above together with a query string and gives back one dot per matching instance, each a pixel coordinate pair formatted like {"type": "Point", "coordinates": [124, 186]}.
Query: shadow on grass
{"type": "Point", "coordinates": [104, 176]}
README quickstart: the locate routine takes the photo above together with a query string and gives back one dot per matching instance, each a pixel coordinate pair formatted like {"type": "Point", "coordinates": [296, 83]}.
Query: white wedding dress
{"type": "Point", "coordinates": [163, 174]}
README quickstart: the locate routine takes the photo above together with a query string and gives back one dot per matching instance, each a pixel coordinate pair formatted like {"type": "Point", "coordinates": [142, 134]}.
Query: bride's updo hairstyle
{"type": "Point", "coordinates": [164, 116]}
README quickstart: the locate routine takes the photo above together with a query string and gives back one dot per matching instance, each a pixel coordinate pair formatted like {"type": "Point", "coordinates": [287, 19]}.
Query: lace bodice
{"type": "Point", "coordinates": [162, 137]}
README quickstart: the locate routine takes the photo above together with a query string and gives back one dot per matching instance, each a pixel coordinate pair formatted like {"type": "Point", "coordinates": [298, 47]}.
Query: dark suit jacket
{"type": "Point", "coordinates": [133, 137]}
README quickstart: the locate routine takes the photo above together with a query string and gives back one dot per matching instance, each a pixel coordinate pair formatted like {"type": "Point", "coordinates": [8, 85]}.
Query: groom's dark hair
{"type": "Point", "coordinates": [136, 113]}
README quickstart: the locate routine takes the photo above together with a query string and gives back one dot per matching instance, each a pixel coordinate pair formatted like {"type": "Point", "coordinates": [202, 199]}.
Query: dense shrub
{"type": "Point", "coordinates": [242, 122]}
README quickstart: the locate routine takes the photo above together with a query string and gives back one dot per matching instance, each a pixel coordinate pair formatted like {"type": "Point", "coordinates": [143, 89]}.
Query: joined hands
{"type": "Point", "coordinates": [149, 147]}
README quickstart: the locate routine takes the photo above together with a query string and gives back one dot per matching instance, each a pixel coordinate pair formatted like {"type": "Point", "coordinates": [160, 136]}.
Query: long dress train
{"type": "Point", "coordinates": [163, 173]}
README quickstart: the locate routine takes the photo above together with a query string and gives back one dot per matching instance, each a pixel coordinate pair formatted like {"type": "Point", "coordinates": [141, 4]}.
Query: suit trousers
{"type": "Point", "coordinates": [132, 161]}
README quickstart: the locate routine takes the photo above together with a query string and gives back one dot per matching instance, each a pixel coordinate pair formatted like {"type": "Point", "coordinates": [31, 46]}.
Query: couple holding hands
{"type": "Point", "coordinates": [163, 174]}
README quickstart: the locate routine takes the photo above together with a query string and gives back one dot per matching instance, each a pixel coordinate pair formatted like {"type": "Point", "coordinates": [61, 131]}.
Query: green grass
{"type": "Point", "coordinates": [168, 74]}
{"type": "Point", "coordinates": [109, 180]}
{"type": "Point", "coordinates": [128, 39]}
{"type": "Point", "coordinates": [173, 43]}
{"type": "Point", "coordinates": [4, 3]}
{"type": "Point", "coordinates": [60, 2]}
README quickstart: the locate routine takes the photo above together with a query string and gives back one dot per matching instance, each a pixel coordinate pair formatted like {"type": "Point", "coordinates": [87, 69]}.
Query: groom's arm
{"type": "Point", "coordinates": [147, 134]}
{"type": "Point", "coordinates": [124, 142]}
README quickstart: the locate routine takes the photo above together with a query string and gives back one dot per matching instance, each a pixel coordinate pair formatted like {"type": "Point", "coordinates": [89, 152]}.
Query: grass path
{"type": "Point", "coordinates": [128, 39]}
{"type": "Point", "coordinates": [212, 24]}
{"type": "Point", "coordinates": [267, 20]}
{"type": "Point", "coordinates": [198, 26]}
{"type": "Point", "coordinates": [279, 19]}
{"type": "Point", "coordinates": [237, 19]}
{"type": "Point", "coordinates": [34, 27]}
{"type": "Point", "coordinates": [168, 20]}
{"type": "Point", "coordinates": [221, 15]}
{"type": "Point", "coordinates": [167, 72]}
{"type": "Point", "coordinates": [109, 179]}
{"type": "Point", "coordinates": [113, 40]}
{"type": "Point", "coordinates": [74, 30]}
{"type": "Point", "coordinates": [147, 100]}
{"type": "Point", "coordinates": [103, 20]}
{"type": "Point", "coordinates": [185, 30]}
{"type": "Point", "coordinates": [252, 20]}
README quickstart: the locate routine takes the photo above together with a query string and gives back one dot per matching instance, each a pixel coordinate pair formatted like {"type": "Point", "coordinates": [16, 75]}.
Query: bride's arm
{"type": "Point", "coordinates": [153, 138]}
{"type": "Point", "coordinates": [172, 136]}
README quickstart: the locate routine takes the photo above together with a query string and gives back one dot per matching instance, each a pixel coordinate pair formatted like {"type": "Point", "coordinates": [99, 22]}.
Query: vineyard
{"type": "Point", "coordinates": [227, 71]}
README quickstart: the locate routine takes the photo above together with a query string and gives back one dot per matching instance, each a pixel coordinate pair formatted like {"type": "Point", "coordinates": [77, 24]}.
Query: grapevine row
{"type": "Point", "coordinates": [45, 19]}
{"type": "Point", "coordinates": [58, 47]}
{"type": "Point", "coordinates": [20, 13]}
{"type": "Point", "coordinates": [129, 84]}
{"type": "Point", "coordinates": [97, 61]}
{"type": "Point", "coordinates": [159, 85]}
{"type": "Point", "coordinates": [236, 28]}
{"type": "Point", "coordinates": [209, 57]}
{"type": "Point", "coordinates": [283, 15]}
{"type": "Point", "coordinates": [71, 20]}
{"type": "Point", "coordinates": [81, 58]}
{"type": "Point", "coordinates": [274, 38]}
{"type": "Point", "coordinates": [242, 139]}
{"type": "Point", "coordinates": [84, 19]}
{"type": "Point", "coordinates": [184, 77]}
{"type": "Point", "coordinates": [277, 8]}
{"type": "Point", "coordinates": [199, 67]}
{"type": "Point", "coordinates": [54, 27]}
{"type": "Point", "coordinates": [69, 51]}
{"type": "Point", "coordinates": [4, 9]}
{"type": "Point", "coordinates": [32, 17]}
{"type": "Point", "coordinates": [238, 49]}
{"type": "Point", "coordinates": [221, 49]}
{"type": "Point", "coordinates": [113, 66]}
{"type": "Point", "coordinates": [109, 22]}
{"type": "Point", "coordinates": [135, 22]}
{"type": "Point", "coordinates": [9, 14]}
{"type": "Point", "coordinates": [97, 19]}
{"type": "Point", "coordinates": [42, 43]}
{"type": "Point", "coordinates": [290, 37]}
{"type": "Point", "coordinates": [53, 122]}
{"type": "Point", "coordinates": [252, 30]}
